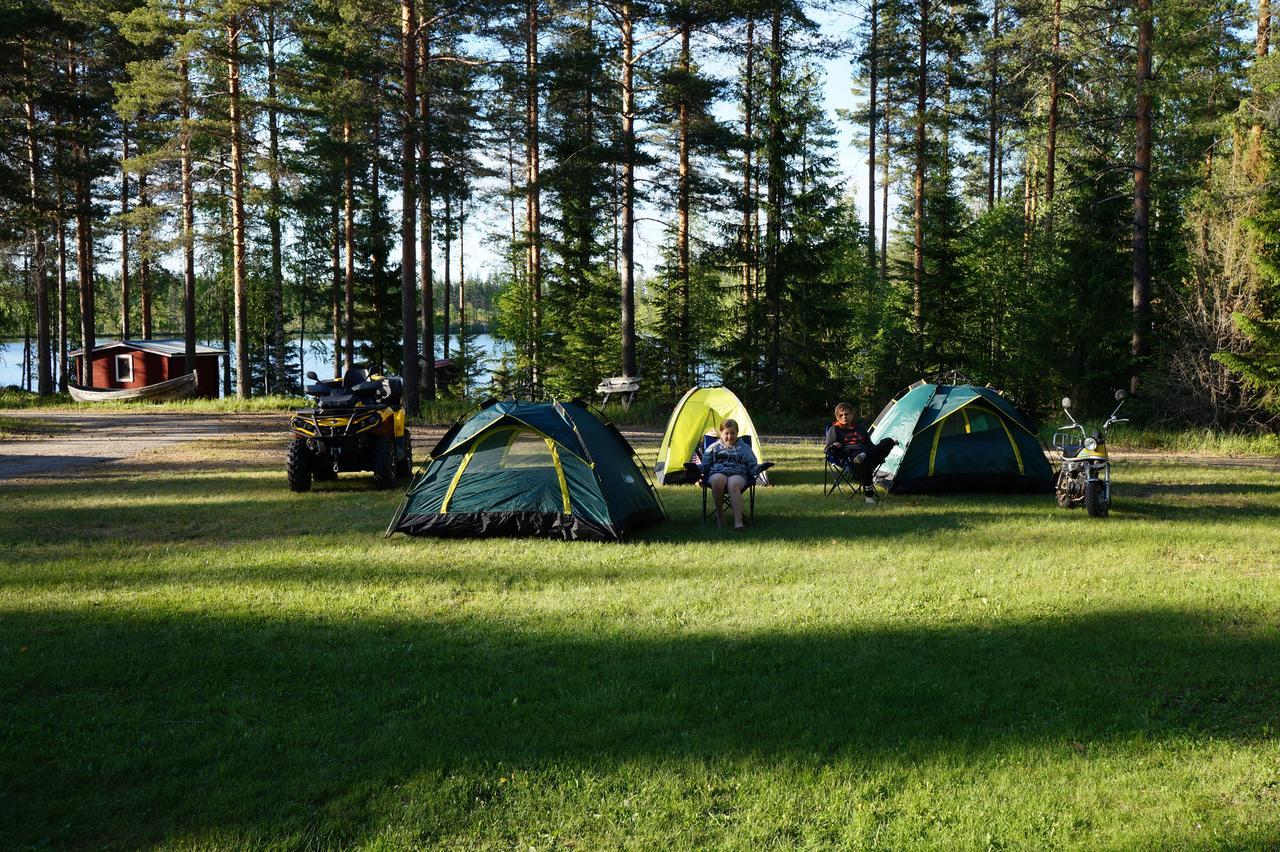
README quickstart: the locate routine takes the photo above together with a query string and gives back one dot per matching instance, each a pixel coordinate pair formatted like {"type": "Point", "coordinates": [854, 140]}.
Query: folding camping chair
{"type": "Point", "coordinates": [695, 473]}
{"type": "Point", "coordinates": [837, 476]}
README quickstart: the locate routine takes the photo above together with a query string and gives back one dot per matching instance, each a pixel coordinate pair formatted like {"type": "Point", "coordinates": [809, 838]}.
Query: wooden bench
{"type": "Point", "coordinates": [625, 387]}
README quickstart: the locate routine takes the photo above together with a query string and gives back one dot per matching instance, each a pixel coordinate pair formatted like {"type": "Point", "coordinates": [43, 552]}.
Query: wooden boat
{"type": "Point", "coordinates": [179, 388]}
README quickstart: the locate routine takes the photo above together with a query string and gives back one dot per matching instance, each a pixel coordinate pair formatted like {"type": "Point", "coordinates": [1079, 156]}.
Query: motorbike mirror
{"type": "Point", "coordinates": [311, 374]}
{"type": "Point", "coordinates": [1121, 394]}
{"type": "Point", "coordinates": [1066, 402]}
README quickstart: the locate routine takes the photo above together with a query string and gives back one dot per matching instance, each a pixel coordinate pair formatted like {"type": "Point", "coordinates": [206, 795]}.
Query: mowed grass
{"type": "Point", "coordinates": [193, 657]}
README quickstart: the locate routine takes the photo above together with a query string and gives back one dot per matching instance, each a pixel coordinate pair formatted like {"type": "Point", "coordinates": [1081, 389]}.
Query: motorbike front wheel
{"type": "Point", "coordinates": [1095, 502]}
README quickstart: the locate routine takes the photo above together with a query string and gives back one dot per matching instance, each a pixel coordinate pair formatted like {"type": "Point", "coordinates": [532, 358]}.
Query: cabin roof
{"type": "Point", "coordinates": [159, 347]}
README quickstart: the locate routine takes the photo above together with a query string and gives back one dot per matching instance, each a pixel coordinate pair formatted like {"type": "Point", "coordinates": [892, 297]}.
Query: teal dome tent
{"type": "Point", "coordinates": [517, 468]}
{"type": "Point", "coordinates": [960, 438]}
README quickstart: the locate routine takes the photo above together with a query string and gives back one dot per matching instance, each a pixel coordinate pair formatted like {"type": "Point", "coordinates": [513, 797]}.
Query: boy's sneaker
{"type": "Point", "coordinates": [871, 501]}
{"type": "Point", "coordinates": [860, 458]}
{"type": "Point", "coordinates": [870, 494]}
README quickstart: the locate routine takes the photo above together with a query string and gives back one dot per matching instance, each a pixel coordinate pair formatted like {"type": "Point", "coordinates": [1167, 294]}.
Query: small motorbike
{"type": "Point", "coordinates": [1084, 479]}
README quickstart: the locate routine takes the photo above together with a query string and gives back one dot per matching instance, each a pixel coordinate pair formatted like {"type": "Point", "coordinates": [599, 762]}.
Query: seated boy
{"type": "Point", "coordinates": [849, 445]}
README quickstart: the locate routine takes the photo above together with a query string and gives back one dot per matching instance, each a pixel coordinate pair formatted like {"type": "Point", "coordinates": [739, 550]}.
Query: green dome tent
{"type": "Point", "coordinates": [960, 438]}
{"type": "Point", "coordinates": [530, 469]}
{"type": "Point", "coordinates": [698, 414]}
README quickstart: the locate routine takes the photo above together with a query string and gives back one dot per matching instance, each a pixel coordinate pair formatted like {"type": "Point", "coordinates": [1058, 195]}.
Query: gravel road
{"type": "Point", "coordinates": [84, 438]}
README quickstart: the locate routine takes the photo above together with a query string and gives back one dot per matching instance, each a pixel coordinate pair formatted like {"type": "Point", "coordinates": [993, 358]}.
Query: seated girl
{"type": "Point", "coordinates": [729, 465]}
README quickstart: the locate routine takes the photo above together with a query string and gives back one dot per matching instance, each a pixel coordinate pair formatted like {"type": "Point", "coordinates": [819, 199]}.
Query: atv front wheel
{"type": "Point", "coordinates": [383, 450]}
{"type": "Point", "coordinates": [298, 466]}
{"type": "Point", "coordinates": [404, 467]}
{"type": "Point", "coordinates": [1094, 503]}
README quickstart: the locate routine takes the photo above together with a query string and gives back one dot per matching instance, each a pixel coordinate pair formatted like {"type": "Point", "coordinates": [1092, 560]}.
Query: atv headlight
{"type": "Point", "coordinates": [304, 426]}
{"type": "Point", "coordinates": [1090, 444]}
{"type": "Point", "coordinates": [367, 421]}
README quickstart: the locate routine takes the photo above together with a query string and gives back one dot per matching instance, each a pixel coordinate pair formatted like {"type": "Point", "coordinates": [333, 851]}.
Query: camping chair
{"type": "Point", "coordinates": [837, 477]}
{"type": "Point", "coordinates": [695, 475]}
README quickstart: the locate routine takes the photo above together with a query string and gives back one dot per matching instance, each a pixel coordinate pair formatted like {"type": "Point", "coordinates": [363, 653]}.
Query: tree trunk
{"type": "Point", "coordinates": [1263, 46]}
{"type": "Point", "coordinates": [627, 248]}
{"type": "Point", "coordinates": [302, 341]}
{"type": "Point", "coordinates": [462, 290]}
{"type": "Point", "coordinates": [409, 204]}
{"type": "Point", "coordinates": [84, 243]}
{"type": "Point", "coordinates": [226, 343]}
{"type": "Point", "coordinates": [1030, 191]}
{"type": "Point", "coordinates": [273, 212]}
{"type": "Point", "coordinates": [514, 238]}
{"type": "Point", "coordinates": [63, 367]}
{"type": "Point", "coordinates": [873, 66]}
{"type": "Point", "coordinates": [377, 252]}
{"type": "Point", "coordinates": [748, 142]}
{"type": "Point", "coordinates": [1051, 145]}
{"type": "Point", "coordinates": [587, 222]}
{"type": "Point", "coordinates": [448, 270]}
{"type": "Point", "coordinates": [335, 289]}
{"type": "Point", "coordinates": [144, 257]}
{"type": "Point", "coordinates": [774, 188]}
{"type": "Point", "coordinates": [533, 193]}
{"type": "Point", "coordinates": [348, 247]}
{"type": "Point", "coordinates": [238, 276]}
{"type": "Point", "coordinates": [427, 284]}
{"type": "Point", "coordinates": [993, 101]}
{"type": "Point", "coordinates": [917, 243]}
{"type": "Point", "coordinates": [124, 234]}
{"type": "Point", "coordinates": [884, 188]}
{"type": "Point", "coordinates": [683, 351]}
{"type": "Point", "coordinates": [40, 284]}
{"type": "Point", "coordinates": [188, 215]}
{"type": "Point", "coordinates": [1140, 344]}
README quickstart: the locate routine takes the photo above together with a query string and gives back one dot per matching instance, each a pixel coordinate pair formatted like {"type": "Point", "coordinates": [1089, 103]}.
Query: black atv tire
{"type": "Point", "coordinates": [383, 450]}
{"type": "Point", "coordinates": [298, 466]}
{"type": "Point", "coordinates": [1094, 503]}
{"type": "Point", "coordinates": [404, 467]}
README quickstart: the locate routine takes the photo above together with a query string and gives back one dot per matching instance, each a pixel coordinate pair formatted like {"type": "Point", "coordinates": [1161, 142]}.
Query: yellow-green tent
{"type": "Point", "coordinates": [698, 414]}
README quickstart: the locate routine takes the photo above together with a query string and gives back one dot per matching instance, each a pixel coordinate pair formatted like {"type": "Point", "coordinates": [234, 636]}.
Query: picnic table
{"type": "Point", "coordinates": [620, 386]}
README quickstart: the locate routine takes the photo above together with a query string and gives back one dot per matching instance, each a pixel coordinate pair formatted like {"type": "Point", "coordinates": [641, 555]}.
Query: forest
{"type": "Point", "coordinates": [1057, 197]}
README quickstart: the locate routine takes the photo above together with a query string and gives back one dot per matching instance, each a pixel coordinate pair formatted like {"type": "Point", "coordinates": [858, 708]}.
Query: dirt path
{"type": "Point", "coordinates": [86, 438]}
{"type": "Point", "coordinates": [82, 438]}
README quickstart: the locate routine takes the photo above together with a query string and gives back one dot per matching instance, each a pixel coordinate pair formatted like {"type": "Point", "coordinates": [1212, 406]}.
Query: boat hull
{"type": "Point", "coordinates": [179, 388]}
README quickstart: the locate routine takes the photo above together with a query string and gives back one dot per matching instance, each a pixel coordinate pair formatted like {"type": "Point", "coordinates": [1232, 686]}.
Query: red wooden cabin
{"type": "Point", "coordinates": [138, 363]}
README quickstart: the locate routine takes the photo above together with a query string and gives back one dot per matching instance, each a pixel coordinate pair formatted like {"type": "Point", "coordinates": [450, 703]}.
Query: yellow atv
{"type": "Point", "coordinates": [358, 424]}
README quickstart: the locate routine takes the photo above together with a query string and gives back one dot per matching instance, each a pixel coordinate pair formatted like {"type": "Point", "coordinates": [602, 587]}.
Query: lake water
{"type": "Point", "coordinates": [318, 357]}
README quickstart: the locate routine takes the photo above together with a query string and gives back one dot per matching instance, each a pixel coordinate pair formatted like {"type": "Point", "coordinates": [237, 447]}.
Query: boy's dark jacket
{"type": "Point", "coordinates": [839, 437]}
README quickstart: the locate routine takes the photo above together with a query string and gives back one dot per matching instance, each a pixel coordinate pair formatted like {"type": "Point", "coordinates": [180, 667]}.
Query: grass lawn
{"type": "Point", "coordinates": [191, 656]}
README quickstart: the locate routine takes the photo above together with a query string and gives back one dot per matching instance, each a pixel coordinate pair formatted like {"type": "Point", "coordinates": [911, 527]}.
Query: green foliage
{"type": "Point", "coordinates": [1259, 367]}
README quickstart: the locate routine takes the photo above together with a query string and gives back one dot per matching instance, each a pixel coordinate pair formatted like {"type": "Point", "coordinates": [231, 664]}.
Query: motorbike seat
{"type": "Point", "coordinates": [354, 376]}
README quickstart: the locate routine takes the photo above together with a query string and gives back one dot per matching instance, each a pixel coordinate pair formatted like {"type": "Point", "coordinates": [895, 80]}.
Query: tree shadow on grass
{"type": "Point", "coordinates": [1202, 489]}
{"type": "Point", "coordinates": [126, 730]}
{"type": "Point", "coordinates": [222, 510]}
